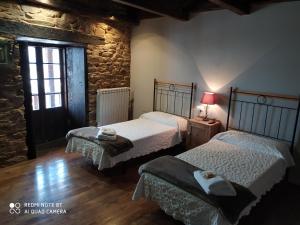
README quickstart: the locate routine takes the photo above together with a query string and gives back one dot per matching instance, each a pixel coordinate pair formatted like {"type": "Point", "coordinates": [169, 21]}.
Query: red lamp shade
{"type": "Point", "coordinates": [208, 98]}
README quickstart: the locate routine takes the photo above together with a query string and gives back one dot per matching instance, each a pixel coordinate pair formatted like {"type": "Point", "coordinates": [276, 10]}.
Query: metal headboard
{"type": "Point", "coordinates": [267, 107]}
{"type": "Point", "coordinates": [173, 98]}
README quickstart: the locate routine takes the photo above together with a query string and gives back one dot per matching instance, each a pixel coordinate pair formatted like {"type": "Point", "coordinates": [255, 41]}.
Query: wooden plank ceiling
{"type": "Point", "coordinates": [136, 10]}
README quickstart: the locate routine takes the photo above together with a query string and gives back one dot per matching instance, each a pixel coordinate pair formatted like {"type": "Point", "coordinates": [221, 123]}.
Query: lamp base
{"type": "Point", "coordinates": [205, 118]}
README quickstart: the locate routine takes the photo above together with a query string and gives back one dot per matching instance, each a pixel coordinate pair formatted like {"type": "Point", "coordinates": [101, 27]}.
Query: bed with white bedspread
{"type": "Point", "coordinates": [254, 162]}
{"type": "Point", "coordinates": [151, 132]}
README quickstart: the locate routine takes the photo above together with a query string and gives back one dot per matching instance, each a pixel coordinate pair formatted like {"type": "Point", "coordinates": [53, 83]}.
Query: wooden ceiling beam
{"type": "Point", "coordinates": [157, 8]}
{"type": "Point", "coordinates": [238, 7]}
{"type": "Point", "coordinates": [59, 5]}
{"type": "Point", "coordinates": [36, 31]}
{"type": "Point", "coordinates": [68, 6]}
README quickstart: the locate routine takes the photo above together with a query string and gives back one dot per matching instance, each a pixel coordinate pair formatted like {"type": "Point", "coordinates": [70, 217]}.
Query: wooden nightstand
{"type": "Point", "coordinates": [200, 132]}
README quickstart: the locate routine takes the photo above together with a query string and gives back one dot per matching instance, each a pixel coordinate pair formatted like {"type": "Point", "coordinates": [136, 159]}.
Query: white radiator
{"type": "Point", "coordinates": [112, 105]}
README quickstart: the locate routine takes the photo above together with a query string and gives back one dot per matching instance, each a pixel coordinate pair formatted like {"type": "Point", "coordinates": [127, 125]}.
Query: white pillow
{"type": "Point", "coordinates": [257, 143]}
{"type": "Point", "coordinates": [167, 119]}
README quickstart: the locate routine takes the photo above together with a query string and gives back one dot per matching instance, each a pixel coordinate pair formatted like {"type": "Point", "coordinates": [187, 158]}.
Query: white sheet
{"type": "Point", "coordinates": [146, 135]}
{"type": "Point", "coordinates": [250, 165]}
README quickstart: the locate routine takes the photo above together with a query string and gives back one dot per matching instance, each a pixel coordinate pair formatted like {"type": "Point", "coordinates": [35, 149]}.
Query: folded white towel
{"type": "Point", "coordinates": [215, 185]}
{"type": "Point", "coordinates": [108, 131]}
{"type": "Point", "coordinates": [106, 134]}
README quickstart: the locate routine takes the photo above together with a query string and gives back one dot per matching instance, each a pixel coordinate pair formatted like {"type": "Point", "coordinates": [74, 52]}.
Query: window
{"type": "Point", "coordinates": [33, 78]}
{"type": "Point", "coordinates": [45, 77]}
{"type": "Point", "coordinates": [52, 81]}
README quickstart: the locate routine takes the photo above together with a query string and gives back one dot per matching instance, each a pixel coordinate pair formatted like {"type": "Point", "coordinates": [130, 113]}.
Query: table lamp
{"type": "Point", "coordinates": [208, 98]}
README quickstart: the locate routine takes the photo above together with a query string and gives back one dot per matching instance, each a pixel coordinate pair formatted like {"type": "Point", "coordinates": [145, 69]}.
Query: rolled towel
{"type": "Point", "coordinates": [215, 185]}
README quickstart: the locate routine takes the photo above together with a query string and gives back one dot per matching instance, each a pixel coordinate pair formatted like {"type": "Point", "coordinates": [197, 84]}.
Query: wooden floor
{"type": "Point", "coordinates": [90, 197]}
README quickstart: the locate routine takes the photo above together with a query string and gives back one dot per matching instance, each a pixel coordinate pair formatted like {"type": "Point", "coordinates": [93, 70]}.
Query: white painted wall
{"type": "Point", "coordinates": [219, 49]}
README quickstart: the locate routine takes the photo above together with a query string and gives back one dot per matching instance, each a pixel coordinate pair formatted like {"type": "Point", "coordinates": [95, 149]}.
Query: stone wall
{"type": "Point", "coordinates": [12, 123]}
{"type": "Point", "coordinates": [108, 66]}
